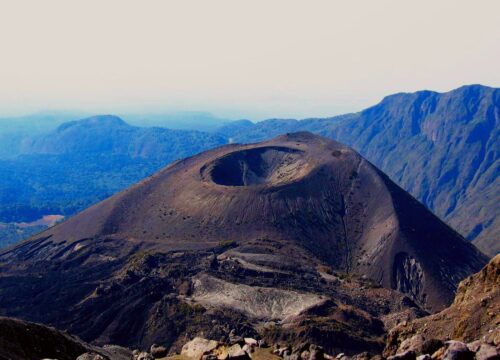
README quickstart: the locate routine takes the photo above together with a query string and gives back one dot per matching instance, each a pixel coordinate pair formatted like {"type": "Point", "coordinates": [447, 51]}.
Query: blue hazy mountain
{"type": "Point", "coordinates": [82, 162]}
{"type": "Point", "coordinates": [14, 129]}
{"type": "Point", "coordinates": [180, 120]}
{"type": "Point", "coordinates": [441, 147]}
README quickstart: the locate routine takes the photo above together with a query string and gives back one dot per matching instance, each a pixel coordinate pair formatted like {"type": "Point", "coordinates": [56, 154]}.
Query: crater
{"type": "Point", "coordinates": [272, 165]}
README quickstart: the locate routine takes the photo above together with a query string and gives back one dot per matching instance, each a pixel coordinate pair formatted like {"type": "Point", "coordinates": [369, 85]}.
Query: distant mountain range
{"type": "Point", "coordinates": [108, 134]}
{"type": "Point", "coordinates": [15, 130]}
{"type": "Point", "coordinates": [81, 162]}
{"type": "Point", "coordinates": [443, 148]}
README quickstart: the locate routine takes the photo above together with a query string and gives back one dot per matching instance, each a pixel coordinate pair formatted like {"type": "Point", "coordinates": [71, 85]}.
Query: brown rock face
{"type": "Point", "coordinates": [298, 217]}
{"type": "Point", "coordinates": [475, 312]}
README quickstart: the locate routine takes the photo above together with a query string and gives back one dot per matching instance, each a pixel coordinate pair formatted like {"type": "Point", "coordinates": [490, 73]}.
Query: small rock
{"type": "Point", "coordinates": [250, 341]}
{"type": "Point", "coordinates": [262, 343]}
{"type": "Point", "coordinates": [316, 352]}
{"type": "Point", "coordinates": [340, 356]}
{"type": "Point", "coordinates": [221, 352]}
{"type": "Point", "coordinates": [209, 357]}
{"type": "Point", "coordinates": [90, 356]}
{"type": "Point", "coordinates": [197, 347]}
{"type": "Point", "coordinates": [158, 351]}
{"type": "Point", "coordinates": [424, 357]}
{"type": "Point", "coordinates": [438, 354]}
{"type": "Point", "coordinates": [457, 350]}
{"type": "Point", "coordinates": [415, 344]}
{"type": "Point", "coordinates": [249, 348]}
{"type": "Point", "coordinates": [236, 340]}
{"type": "Point", "coordinates": [145, 356]}
{"type": "Point", "coordinates": [304, 355]}
{"type": "Point", "coordinates": [282, 351]}
{"type": "Point", "coordinates": [474, 346]}
{"type": "Point", "coordinates": [493, 337]}
{"type": "Point", "coordinates": [487, 352]}
{"type": "Point", "coordinates": [236, 353]}
{"type": "Point", "coordinates": [407, 355]}
{"type": "Point", "coordinates": [361, 356]}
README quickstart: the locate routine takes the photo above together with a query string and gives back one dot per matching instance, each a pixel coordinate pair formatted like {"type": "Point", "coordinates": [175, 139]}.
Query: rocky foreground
{"type": "Point", "coordinates": [469, 329]}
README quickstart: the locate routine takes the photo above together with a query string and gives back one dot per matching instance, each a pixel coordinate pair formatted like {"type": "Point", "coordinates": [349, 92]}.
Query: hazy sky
{"type": "Point", "coordinates": [252, 59]}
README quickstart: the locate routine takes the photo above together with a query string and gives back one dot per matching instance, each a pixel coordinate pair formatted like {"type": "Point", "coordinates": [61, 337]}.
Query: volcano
{"type": "Point", "coordinates": [292, 228]}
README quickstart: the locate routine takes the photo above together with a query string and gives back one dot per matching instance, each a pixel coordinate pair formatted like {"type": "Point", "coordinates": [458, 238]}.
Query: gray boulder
{"type": "Point", "coordinates": [361, 356]}
{"type": "Point", "coordinates": [197, 347]}
{"type": "Point", "coordinates": [415, 344]}
{"type": "Point", "coordinates": [90, 356]}
{"type": "Point", "coordinates": [407, 355]}
{"type": "Point", "coordinates": [158, 351]}
{"type": "Point", "coordinates": [487, 352]}
{"type": "Point", "coordinates": [457, 350]}
{"type": "Point", "coordinates": [251, 342]}
{"type": "Point", "coordinates": [237, 353]}
{"type": "Point", "coordinates": [475, 345]}
{"type": "Point", "coordinates": [144, 356]}
{"type": "Point", "coordinates": [424, 357]}
{"type": "Point", "coordinates": [249, 349]}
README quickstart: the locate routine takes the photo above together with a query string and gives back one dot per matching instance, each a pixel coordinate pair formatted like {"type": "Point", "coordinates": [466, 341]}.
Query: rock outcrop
{"type": "Point", "coordinates": [474, 314]}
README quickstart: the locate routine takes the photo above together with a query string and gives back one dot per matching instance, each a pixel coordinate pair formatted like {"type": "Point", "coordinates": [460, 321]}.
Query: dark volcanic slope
{"type": "Point", "coordinates": [215, 226]}
{"type": "Point", "coordinates": [443, 148]}
{"type": "Point", "coordinates": [22, 340]}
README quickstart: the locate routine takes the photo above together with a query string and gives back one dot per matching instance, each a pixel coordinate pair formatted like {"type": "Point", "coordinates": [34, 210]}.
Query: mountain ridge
{"type": "Point", "coordinates": [254, 226]}
{"type": "Point", "coordinates": [441, 147]}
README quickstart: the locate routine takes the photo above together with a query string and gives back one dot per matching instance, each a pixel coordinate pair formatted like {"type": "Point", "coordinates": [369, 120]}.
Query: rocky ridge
{"type": "Point", "coordinates": [441, 336]}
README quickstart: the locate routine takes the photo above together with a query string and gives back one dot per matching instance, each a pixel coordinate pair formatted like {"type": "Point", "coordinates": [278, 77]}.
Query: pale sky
{"type": "Point", "coordinates": [242, 59]}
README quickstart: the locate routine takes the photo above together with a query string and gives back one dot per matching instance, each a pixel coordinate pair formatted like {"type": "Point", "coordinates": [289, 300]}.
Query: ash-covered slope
{"type": "Point", "coordinates": [237, 233]}
{"type": "Point", "coordinates": [443, 148]}
{"type": "Point", "coordinates": [22, 340]}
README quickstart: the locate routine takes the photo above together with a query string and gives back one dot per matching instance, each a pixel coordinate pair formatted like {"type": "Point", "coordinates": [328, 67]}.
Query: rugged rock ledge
{"type": "Point", "coordinates": [467, 330]}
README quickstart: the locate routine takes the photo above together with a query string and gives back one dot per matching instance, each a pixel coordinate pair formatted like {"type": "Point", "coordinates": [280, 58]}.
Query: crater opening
{"type": "Point", "coordinates": [272, 165]}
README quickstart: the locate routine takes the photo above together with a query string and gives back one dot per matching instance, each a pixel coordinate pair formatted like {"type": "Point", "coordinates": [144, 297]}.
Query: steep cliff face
{"type": "Point", "coordinates": [296, 217]}
{"type": "Point", "coordinates": [408, 277]}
